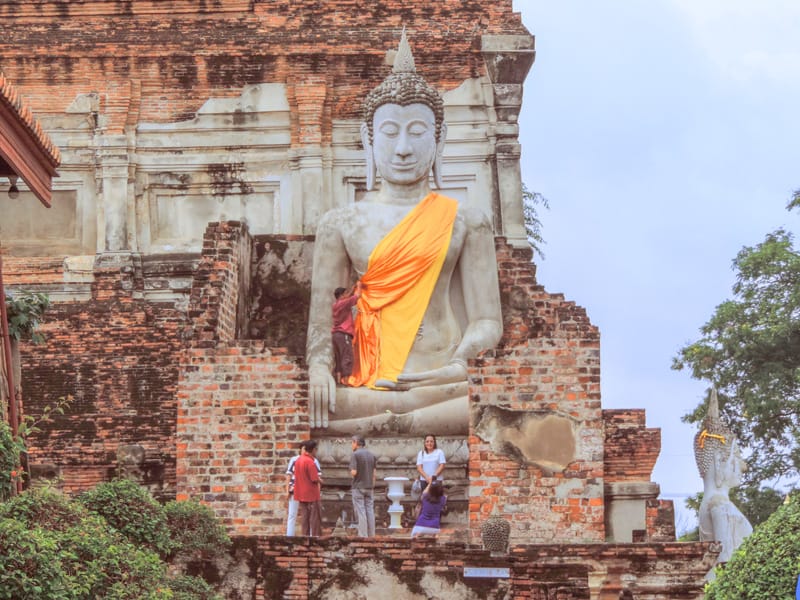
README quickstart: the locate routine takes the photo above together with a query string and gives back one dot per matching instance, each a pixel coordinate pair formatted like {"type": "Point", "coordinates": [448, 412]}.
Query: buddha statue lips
{"type": "Point", "coordinates": [430, 298]}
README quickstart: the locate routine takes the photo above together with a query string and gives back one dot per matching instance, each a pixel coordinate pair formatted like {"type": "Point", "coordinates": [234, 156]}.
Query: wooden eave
{"type": "Point", "coordinates": [25, 149]}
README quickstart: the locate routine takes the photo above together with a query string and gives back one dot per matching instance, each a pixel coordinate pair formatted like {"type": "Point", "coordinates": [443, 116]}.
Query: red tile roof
{"type": "Point", "coordinates": [11, 98]}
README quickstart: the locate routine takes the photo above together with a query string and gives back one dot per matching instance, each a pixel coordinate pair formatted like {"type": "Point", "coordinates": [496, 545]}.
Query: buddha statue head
{"type": "Point", "coordinates": [403, 100]}
{"type": "Point", "coordinates": [716, 450]}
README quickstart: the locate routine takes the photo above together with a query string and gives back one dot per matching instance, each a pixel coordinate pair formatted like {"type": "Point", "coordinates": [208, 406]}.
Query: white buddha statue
{"type": "Point", "coordinates": [430, 298]}
{"type": "Point", "coordinates": [721, 465]}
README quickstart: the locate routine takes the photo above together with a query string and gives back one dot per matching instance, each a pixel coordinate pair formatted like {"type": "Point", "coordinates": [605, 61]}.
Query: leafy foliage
{"type": "Point", "coordinates": [25, 312]}
{"type": "Point", "coordinates": [11, 448]}
{"type": "Point", "coordinates": [29, 564]}
{"type": "Point", "coordinates": [186, 587]}
{"type": "Point", "coordinates": [531, 201]}
{"type": "Point", "coordinates": [195, 530]}
{"type": "Point", "coordinates": [54, 547]}
{"type": "Point", "coordinates": [750, 351]}
{"type": "Point", "coordinates": [765, 566]}
{"type": "Point", "coordinates": [44, 507]}
{"type": "Point", "coordinates": [131, 510]}
{"type": "Point", "coordinates": [10, 464]}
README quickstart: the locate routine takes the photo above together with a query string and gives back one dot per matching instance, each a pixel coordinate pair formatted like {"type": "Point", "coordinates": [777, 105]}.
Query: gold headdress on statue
{"type": "Point", "coordinates": [712, 437]}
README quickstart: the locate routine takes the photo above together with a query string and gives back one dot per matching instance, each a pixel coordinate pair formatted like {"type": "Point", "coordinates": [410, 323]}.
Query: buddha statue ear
{"type": "Point", "coordinates": [371, 170]}
{"type": "Point", "coordinates": [437, 161]}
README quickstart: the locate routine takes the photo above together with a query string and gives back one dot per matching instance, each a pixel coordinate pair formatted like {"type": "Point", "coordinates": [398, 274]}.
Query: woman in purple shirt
{"type": "Point", "coordinates": [433, 501]}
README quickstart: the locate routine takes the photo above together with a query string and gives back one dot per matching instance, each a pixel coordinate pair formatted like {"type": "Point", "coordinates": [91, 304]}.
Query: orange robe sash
{"type": "Point", "coordinates": [397, 286]}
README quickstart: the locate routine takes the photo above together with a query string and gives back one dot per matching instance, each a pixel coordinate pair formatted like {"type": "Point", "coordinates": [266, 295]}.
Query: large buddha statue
{"type": "Point", "coordinates": [721, 465]}
{"type": "Point", "coordinates": [429, 299]}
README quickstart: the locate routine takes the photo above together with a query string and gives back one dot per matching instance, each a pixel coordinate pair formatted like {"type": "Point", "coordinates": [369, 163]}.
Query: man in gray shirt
{"type": "Point", "coordinates": [362, 468]}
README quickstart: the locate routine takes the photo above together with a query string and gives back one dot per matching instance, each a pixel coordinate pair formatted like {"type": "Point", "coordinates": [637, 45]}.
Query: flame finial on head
{"type": "Point", "coordinates": [404, 86]}
{"type": "Point", "coordinates": [404, 59]}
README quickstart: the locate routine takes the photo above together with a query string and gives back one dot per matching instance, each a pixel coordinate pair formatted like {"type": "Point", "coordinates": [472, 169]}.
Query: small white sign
{"type": "Point", "coordinates": [488, 572]}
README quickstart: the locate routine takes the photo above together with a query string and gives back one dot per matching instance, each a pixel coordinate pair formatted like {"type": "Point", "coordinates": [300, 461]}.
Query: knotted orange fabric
{"type": "Point", "coordinates": [397, 286]}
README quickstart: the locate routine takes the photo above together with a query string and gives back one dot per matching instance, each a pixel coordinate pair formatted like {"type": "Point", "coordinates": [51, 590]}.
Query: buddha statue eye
{"type": "Point", "coordinates": [389, 129]}
{"type": "Point", "coordinates": [417, 129]}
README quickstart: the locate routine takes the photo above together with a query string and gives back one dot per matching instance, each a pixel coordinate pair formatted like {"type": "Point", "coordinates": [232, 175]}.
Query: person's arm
{"type": "Point", "coordinates": [353, 465]}
{"type": "Point", "coordinates": [442, 463]}
{"type": "Point", "coordinates": [288, 482]}
{"type": "Point", "coordinates": [331, 265]}
{"type": "Point", "coordinates": [313, 476]}
{"type": "Point", "coordinates": [421, 468]}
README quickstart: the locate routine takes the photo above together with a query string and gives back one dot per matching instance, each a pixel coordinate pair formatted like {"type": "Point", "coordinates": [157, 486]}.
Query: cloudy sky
{"type": "Point", "coordinates": [666, 136]}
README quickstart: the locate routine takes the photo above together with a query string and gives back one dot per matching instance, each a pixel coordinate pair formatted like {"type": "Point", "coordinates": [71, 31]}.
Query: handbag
{"type": "Point", "coordinates": [416, 489]}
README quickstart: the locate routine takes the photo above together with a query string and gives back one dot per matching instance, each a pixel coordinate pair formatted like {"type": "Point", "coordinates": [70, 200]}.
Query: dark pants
{"type": "Point", "coordinates": [342, 354]}
{"type": "Point", "coordinates": [312, 518]}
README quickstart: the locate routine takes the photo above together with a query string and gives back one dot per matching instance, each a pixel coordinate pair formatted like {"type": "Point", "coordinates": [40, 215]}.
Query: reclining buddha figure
{"type": "Point", "coordinates": [429, 297]}
{"type": "Point", "coordinates": [721, 465]}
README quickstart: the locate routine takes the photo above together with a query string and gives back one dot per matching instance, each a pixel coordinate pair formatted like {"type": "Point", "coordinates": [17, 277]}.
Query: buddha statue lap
{"type": "Point", "coordinates": [430, 298]}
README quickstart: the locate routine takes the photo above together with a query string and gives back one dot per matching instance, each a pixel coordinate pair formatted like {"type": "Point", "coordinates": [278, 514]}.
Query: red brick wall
{"type": "Point", "coordinates": [631, 449]}
{"type": "Point", "coordinates": [548, 359]}
{"type": "Point", "coordinates": [116, 356]}
{"type": "Point", "coordinates": [242, 411]}
{"type": "Point", "coordinates": [296, 567]}
{"type": "Point", "coordinates": [142, 57]}
{"type": "Point", "coordinates": [242, 408]}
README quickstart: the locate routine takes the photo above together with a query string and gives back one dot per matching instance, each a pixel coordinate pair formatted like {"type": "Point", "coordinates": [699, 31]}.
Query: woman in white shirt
{"type": "Point", "coordinates": [430, 462]}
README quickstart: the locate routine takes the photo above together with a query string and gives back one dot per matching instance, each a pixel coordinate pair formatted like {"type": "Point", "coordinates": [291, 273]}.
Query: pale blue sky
{"type": "Point", "coordinates": [666, 136]}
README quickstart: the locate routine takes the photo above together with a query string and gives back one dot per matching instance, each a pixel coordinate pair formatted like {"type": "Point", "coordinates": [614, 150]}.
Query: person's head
{"type": "Point", "coordinates": [310, 446]}
{"type": "Point", "coordinates": [337, 293]}
{"type": "Point", "coordinates": [435, 490]}
{"type": "Point", "coordinates": [358, 442]}
{"type": "Point", "coordinates": [429, 443]}
{"type": "Point", "coordinates": [403, 130]}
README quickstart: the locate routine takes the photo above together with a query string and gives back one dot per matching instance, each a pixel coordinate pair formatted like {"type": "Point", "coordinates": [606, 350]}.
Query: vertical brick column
{"type": "Point", "coordinates": [242, 406]}
{"type": "Point", "coordinates": [548, 362]}
{"type": "Point", "coordinates": [242, 412]}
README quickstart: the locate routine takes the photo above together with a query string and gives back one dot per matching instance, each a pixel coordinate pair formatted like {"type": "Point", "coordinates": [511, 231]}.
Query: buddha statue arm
{"type": "Point", "coordinates": [331, 267]}
{"type": "Point", "coordinates": [477, 269]}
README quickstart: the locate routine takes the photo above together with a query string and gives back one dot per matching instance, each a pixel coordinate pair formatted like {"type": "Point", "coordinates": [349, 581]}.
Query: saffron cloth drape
{"type": "Point", "coordinates": [397, 286]}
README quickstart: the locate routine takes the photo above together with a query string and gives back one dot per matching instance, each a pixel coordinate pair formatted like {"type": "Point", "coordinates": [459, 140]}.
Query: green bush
{"type": "Point", "coordinates": [44, 507]}
{"type": "Point", "coordinates": [60, 549]}
{"type": "Point", "coordinates": [195, 529]}
{"type": "Point", "coordinates": [131, 510]}
{"type": "Point", "coordinates": [29, 564]}
{"type": "Point", "coordinates": [765, 566]}
{"type": "Point", "coordinates": [187, 587]}
{"type": "Point", "coordinates": [103, 564]}
{"type": "Point", "coordinates": [68, 552]}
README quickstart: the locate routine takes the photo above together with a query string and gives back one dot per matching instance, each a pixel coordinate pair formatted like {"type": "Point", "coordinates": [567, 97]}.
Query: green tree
{"type": "Point", "coordinates": [750, 351]}
{"type": "Point", "coordinates": [531, 202]}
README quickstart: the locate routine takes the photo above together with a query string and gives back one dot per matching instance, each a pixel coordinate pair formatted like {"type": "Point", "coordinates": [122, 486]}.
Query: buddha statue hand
{"type": "Point", "coordinates": [321, 395]}
{"type": "Point", "coordinates": [453, 372]}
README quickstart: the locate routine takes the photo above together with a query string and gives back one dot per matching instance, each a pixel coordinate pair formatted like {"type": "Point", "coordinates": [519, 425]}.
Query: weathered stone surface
{"type": "Point", "coordinates": [546, 440]}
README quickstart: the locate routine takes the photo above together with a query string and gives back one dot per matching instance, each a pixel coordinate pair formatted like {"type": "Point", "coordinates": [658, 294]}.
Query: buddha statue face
{"type": "Point", "coordinates": [404, 142]}
{"type": "Point", "coordinates": [732, 466]}
{"type": "Point", "coordinates": [403, 131]}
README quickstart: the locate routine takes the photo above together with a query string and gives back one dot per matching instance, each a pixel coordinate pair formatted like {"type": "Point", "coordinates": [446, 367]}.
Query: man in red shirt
{"type": "Point", "coordinates": [307, 485]}
{"type": "Point", "coordinates": [342, 332]}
